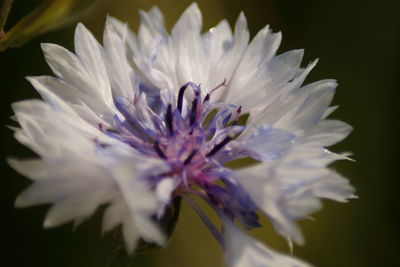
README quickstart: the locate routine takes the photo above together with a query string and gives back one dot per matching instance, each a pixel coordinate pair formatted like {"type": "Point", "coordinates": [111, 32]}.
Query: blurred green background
{"type": "Point", "coordinates": [358, 43]}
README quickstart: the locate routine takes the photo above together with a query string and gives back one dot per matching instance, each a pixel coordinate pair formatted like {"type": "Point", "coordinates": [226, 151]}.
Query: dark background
{"type": "Point", "coordinates": [358, 44]}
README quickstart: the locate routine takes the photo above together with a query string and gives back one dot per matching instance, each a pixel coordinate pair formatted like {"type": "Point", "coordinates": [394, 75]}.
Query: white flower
{"type": "Point", "coordinates": [147, 118]}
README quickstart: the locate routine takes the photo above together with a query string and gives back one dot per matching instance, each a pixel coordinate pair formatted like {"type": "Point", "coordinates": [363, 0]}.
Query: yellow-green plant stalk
{"type": "Point", "coordinates": [50, 15]}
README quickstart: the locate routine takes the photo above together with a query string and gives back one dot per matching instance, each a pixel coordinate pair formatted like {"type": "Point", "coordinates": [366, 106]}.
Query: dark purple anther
{"type": "Point", "coordinates": [219, 146]}
{"type": "Point", "coordinates": [158, 150]}
{"type": "Point", "coordinates": [238, 111]}
{"type": "Point", "coordinates": [190, 157]}
{"type": "Point", "coordinates": [206, 98]}
{"type": "Point", "coordinates": [193, 111]}
{"type": "Point", "coordinates": [101, 127]}
{"type": "Point", "coordinates": [168, 119]}
{"type": "Point", "coordinates": [180, 96]}
{"type": "Point", "coordinates": [99, 144]}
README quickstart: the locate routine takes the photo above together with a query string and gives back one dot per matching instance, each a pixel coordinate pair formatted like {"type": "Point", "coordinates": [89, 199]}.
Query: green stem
{"type": "Point", "coordinates": [5, 9]}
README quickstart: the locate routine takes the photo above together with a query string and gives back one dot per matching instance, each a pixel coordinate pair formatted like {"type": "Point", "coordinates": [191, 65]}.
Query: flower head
{"type": "Point", "coordinates": [148, 118]}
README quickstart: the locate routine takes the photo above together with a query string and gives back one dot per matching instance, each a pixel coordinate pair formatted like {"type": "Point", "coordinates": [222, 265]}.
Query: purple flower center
{"type": "Point", "coordinates": [192, 135]}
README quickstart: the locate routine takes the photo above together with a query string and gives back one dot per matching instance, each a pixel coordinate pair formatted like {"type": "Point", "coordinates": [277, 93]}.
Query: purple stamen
{"type": "Point", "coordinates": [219, 146]}
{"type": "Point", "coordinates": [215, 232]}
{"type": "Point", "coordinates": [207, 98]}
{"type": "Point", "coordinates": [218, 86]}
{"type": "Point", "coordinates": [227, 118]}
{"type": "Point", "coordinates": [187, 143]}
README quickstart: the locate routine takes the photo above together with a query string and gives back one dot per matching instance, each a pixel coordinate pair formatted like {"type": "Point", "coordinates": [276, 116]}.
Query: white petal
{"type": "Point", "coordinates": [56, 181]}
{"type": "Point", "coordinates": [256, 73]}
{"type": "Point", "coordinates": [289, 189]}
{"type": "Point", "coordinates": [143, 64]}
{"type": "Point", "coordinates": [66, 66]}
{"type": "Point", "coordinates": [49, 96]}
{"type": "Point", "coordinates": [191, 60]}
{"type": "Point", "coordinates": [113, 215]}
{"type": "Point", "coordinates": [149, 230]}
{"type": "Point", "coordinates": [228, 66]}
{"type": "Point", "coordinates": [243, 251]}
{"type": "Point", "coordinates": [120, 72]}
{"type": "Point", "coordinates": [73, 208]}
{"type": "Point", "coordinates": [129, 173]}
{"type": "Point", "coordinates": [284, 100]}
{"type": "Point", "coordinates": [70, 69]}
{"type": "Point", "coordinates": [91, 55]}
{"type": "Point", "coordinates": [35, 169]}
{"type": "Point", "coordinates": [129, 38]}
{"type": "Point", "coordinates": [165, 188]}
{"type": "Point", "coordinates": [219, 39]}
{"type": "Point", "coordinates": [133, 186]}
{"type": "Point", "coordinates": [267, 143]}
{"type": "Point", "coordinates": [329, 111]}
{"type": "Point", "coordinates": [334, 187]}
{"type": "Point", "coordinates": [151, 25]}
{"type": "Point", "coordinates": [130, 233]}
{"type": "Point", "coordinates": [189, 21]}
{"type": "Point", "coordinates": [68, 99]}
{"type": "Point", "coordinates": [52, 133]}
{"type": "Point", "coordinates": [328, 132]}
{"type": "Point", "coordinates": [313, 107]}
{"type": "Point", "coordinates": [267, 195]}
{"type": "Point", "coordinates": [75, 193]}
